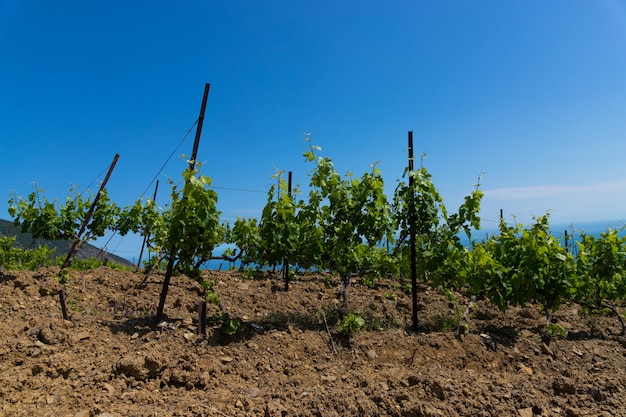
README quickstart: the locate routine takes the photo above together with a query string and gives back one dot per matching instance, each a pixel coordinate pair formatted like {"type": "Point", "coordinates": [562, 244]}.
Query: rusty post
{"type": "Point", "coordinates": [413, 253]}
{"type": "Point", "coordinates": [286, 261]}
{"type": "Point", "coordinates": [196, 142]}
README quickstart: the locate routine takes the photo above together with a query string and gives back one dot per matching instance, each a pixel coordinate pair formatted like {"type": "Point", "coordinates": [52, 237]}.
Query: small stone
{"type": "Point", "coordinates": [563, 386]}
{"type": "Point", "coordinates": [134, 336]}
{"type": "Point", "coordinates": [525, 412]}
{"type": "Point", "coordinates": [83, 336]}
{"type": "Point", "coordinates": [596, 393]}
{"type": "Point", "coordinates": [166, 326]}
{"type": "Point", "coordinates": [33, 352]}
{"type": "Point", "coordinates": [525, 369]}
{"type": "Point", "coordinates": [437, 390]}
{"type": "Point", "coordinates": [327, 379]}
{"type": "Point", "coordinates": [371, 354]}
{"type": "Point", "coordinates": [82, 413]}
{"type": "Point", "coordinates": [547, 350]}
{"type": "Point", "coordinates": [47, 336]}
{"type": "Point", "coordinates": [227, 359]}
{"type": "Point", "coordinates": [110, 389]}
{"type": "Point", "coordinates": [189, 336]}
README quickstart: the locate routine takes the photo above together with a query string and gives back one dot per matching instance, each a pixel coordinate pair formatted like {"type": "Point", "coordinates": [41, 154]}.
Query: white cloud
{"type": "Point", "coordinates": [549, 191]}
{"type": "Point", "coordinates": [604, 200]}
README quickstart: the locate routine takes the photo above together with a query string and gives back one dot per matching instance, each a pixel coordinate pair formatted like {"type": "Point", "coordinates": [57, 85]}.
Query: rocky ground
{"type": "Point", "coordinates": [288, 359]}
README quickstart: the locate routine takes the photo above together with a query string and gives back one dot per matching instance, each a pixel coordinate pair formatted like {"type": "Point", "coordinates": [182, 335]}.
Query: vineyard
{"type": "Point", "coordinates": [340, 289]}
{"type": "Point", "coordinates": [347, 226]}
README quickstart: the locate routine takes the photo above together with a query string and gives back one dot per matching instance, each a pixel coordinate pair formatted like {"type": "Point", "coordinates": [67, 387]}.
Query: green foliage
{"type": "Point", "coordinates": [193, 223]}
{"type": "Point", "coordinates": [230, 326]}
{"type": "Point", "coordinates": [350, 324]}
{"type": "Point", "coordinates": [602, 268]}
{"type": "Point", "coordinates": [440, 254]}
{"type": "Point", "coordinates": [62, 221]}
{"type": "Point", "coordinates": [556, 330]}
{"type": "Point", "coordinates": [187, 231]}
{"type": "Point", "coordinates": [451, 321]}
{"type": "Point", "coordinates": [278, 229]}
{"type": "Point", "coordinates": [82, 264]}
{"type": "Point", "coordinates": [211, 296]}
{"type": "Point", "coordinates": [244, 234]}
{"type": "Point", "coordinates": [88, 264]}
{"type": "Point", "coordinates": [145, 219]}
{"type": "Point", "coordinates": [75, 219]}
{"type": "Point", "coordinates": [520, 265]}
{"type": "Point", "coordinates": [14, 258]}
{"type": "Point", "coordinates": [345, 225]}
{"type": "Point", "coordinates": [349, 219]}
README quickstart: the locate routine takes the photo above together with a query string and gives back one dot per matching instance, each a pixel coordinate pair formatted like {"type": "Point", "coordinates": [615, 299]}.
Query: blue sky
{"type": "Point", "coordinates": [532, 93]}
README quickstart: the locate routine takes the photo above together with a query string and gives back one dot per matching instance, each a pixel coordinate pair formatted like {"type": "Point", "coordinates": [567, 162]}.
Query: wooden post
{"type": "Point", "coordinates": [202, 318]}
{"type": "Point", "coordinates": [72, 251]}
{"type": "Point", "coordinates": [286, 261]}
{"type": "Point", "coordinates": [413, 253]}
{"type": "Point", "coordinates": [192, 164]}
{"type": "Point", "coordinates": [196, 142]}
{"type": "Point", "coordinates": [77, 239]}
{"type": "Point", "coordinates": [62, 301]}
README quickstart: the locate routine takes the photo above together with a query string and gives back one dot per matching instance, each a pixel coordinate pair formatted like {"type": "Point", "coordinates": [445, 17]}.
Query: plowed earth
{"type": "Point", "coordinates": [110, 359]}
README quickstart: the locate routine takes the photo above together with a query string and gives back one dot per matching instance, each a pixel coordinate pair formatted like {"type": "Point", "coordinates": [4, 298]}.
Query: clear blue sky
{"type": "Point", "coordinates": [532, 93]}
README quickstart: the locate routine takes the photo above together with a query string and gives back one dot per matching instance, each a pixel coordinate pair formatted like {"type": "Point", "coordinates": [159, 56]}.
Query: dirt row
{"type": "Point", "coordinates": [288, 359]}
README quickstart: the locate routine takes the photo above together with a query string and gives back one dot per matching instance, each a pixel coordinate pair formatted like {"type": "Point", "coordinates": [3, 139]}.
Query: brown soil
{"type": "Point", "coordinates": [111, 360]}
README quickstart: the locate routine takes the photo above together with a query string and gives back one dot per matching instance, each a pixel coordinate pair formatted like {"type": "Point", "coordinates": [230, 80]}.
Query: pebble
{"type": "Point", "coordinates": [547, 350]}
{"type": "Point", "coordinates": [525, 369]}
{"type": "Point", "coordinates": [83, 336]}
{"type": "Point", "coordinates": [110, 389]}
{"type": "Point", "coordinates": [47, 336]}
{"type": "Point", "coordinates": [328, 378]}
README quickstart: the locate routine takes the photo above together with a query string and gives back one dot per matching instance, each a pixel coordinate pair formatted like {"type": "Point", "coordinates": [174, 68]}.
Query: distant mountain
{"type": "Point", "coordinates": [86, 251]}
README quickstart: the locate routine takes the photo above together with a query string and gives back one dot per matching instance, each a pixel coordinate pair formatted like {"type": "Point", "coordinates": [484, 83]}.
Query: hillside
{"type": "Point", "coordinates": [86, 251]}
